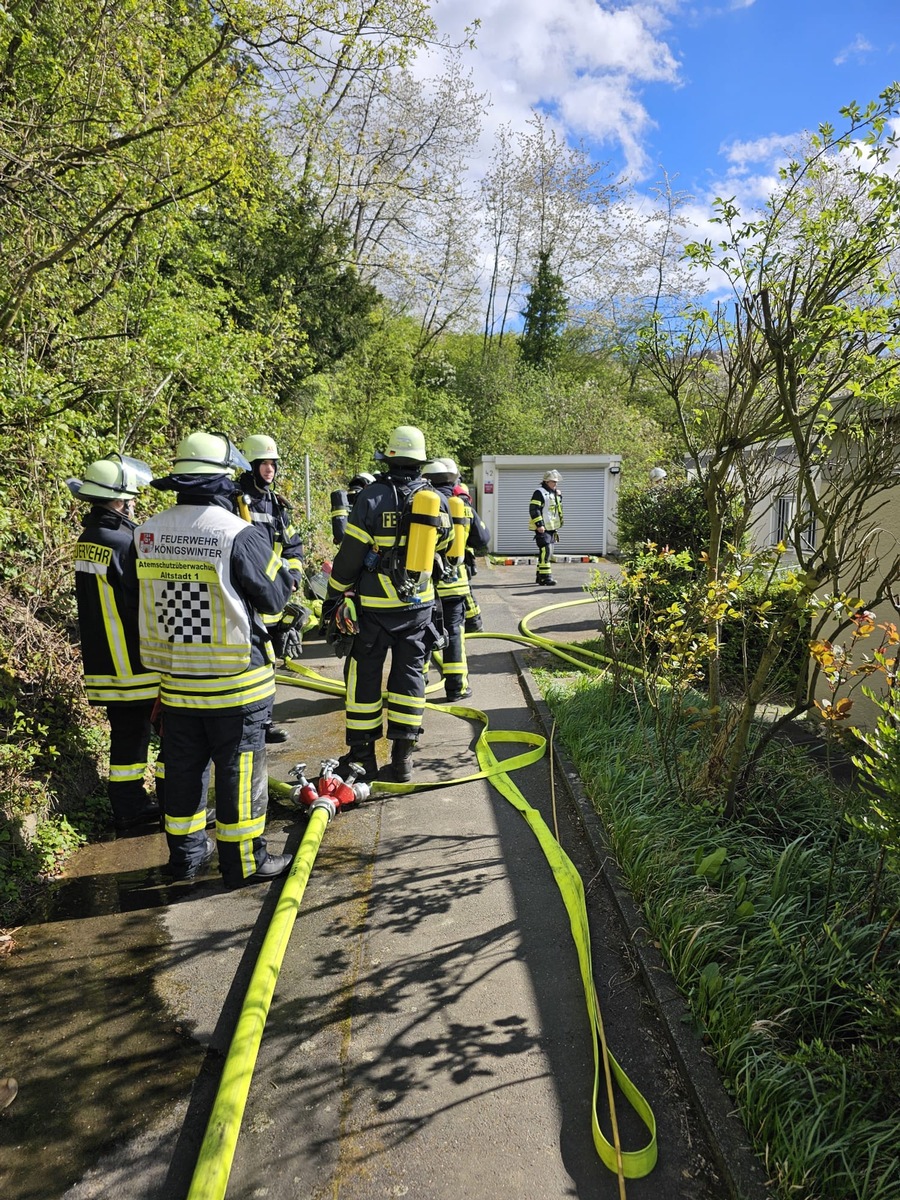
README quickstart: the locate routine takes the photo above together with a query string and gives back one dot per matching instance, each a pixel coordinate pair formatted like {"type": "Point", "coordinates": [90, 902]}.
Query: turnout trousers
{"type": "Point", "coordinates": [129, 752]}
{"type": "Point", "coordinates": [234, 739]}
{"type": "Point", "coordinates": [408, 635]}
{"type": "Point", "coordinates": [456, 676]}
{"type": "Point", "coordinates": [544, 542]}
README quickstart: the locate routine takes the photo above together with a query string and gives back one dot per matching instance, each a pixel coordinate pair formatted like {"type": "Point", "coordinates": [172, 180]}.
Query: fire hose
{"type": "Point", "coordinates": [322, 800]}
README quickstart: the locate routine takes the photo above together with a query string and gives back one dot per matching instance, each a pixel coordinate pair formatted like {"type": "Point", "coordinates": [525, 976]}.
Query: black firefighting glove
{"type": "Point", "coordinates": [287, 635]}
{"type": "Point", "coordinates": [287, 641]}
{"type": "Point", "coordinates": [339, 624]}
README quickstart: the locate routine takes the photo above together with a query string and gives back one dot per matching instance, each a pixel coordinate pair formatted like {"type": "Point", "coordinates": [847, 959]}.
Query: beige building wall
{"type": "Point", "coordinates": [886, 549]}
{"type": "Point", "coordinates": [777, 476]}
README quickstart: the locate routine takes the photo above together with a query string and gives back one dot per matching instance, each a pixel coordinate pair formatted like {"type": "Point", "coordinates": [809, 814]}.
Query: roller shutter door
{"type": "Point", "coordinates": [584, 510]}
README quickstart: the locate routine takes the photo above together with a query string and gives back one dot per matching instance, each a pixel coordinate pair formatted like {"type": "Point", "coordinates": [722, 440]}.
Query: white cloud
{"type": "Point", "coordinates": [777, 146]}
{"type": "Point", "coordinates": [581, 62]}
{"type": "Point", "coordinates": [857, 50]}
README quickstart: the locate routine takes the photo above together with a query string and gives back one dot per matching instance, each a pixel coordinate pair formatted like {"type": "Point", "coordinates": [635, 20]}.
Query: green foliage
{"type": "Point", "coordinates": [661, 613]}
{"type": "Point", "coordinates": [544, 315]}
{"type": "Point", "coordinates": [515, 408]}
{"type": "Point", "coordinates": [762, 921]}
{"type": "Point", "coordinates": [671, 514]}
{"type": "Point", "coordinates": [879, 766]}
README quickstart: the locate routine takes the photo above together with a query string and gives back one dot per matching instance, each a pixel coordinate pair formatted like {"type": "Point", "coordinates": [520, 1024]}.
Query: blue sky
{"type": "Point", "coordinates": [712, 93]}
{"type": "Point", "coordinates": [765, 70]}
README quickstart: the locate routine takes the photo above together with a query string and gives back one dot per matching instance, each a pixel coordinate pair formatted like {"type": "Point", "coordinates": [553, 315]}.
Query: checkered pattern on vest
{"type": "Point", "coordinates": [185, 612]}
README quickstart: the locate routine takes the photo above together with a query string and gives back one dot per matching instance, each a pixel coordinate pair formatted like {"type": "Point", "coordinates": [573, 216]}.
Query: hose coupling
{"type": "Point", "coordinates": [327, 803]}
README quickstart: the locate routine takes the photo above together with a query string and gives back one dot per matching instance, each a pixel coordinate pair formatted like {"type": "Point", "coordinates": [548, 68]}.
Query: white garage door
{"type": "Point", "coordinates": [584, 509]}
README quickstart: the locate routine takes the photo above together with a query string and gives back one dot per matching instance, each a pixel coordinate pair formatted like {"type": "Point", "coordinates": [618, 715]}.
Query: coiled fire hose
{"type": "Point", "coordinates": [216, 1155]}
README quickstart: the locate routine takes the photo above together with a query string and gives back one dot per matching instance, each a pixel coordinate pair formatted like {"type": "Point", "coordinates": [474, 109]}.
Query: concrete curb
{"type": "Point", "coordinates": [741, 1169]}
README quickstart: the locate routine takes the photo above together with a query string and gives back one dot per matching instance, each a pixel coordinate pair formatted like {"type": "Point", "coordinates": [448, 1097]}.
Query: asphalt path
{"type": "Point", "coordinates": [428, 1036]}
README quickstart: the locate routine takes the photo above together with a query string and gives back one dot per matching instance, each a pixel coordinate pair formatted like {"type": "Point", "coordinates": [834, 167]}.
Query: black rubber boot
{"type": "Point", "coordinates": [364, 755]}
{"type": "Point", "coordinates": [275, 733]}
{"type": "Point", "coordinates": [146, 813]}
{"type": "Point", "coordinates": [198, 867]}
{"type": "Point", "coordinates": [401, 759]}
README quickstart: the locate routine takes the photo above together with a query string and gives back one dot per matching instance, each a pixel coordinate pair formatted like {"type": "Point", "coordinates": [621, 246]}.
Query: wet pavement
{"type": "Point", "coordinates": [428, 1034]}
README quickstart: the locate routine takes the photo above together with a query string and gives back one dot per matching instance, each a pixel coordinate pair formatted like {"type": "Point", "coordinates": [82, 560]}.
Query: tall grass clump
{"type": "Point", "coordinates": [766, 922]}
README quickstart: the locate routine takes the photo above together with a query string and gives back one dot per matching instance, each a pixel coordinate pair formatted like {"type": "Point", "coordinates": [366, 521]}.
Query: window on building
{"type": "Point", "coordinates": [785, 524]}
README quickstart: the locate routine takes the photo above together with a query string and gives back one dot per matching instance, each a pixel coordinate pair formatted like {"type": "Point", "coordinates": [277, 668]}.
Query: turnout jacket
{"type": "Point", "coordinates": [271, 513]}
{"type": "Point", "coordinates": [451, 577]}
{"type": "Point", "coordinates": [479, 537]}
{"type": "Point", "coordinates": [546, 508]}
{"type": "Point", "coordinates": [370, 534]}
{"type": "Point", "coordinates": [107, 598]}
{"type": "Point", "coordinates": [205, 575]}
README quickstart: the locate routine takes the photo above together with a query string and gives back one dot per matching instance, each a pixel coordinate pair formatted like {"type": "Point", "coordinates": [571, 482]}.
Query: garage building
{"type": "Point", "coordinates": [504, 484]}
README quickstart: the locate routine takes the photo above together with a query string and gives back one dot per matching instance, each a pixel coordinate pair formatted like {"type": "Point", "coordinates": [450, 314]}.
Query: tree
{"type": "Point", "coordinates": [107, 118]}
{"type": "Point", "coordinates": [382, 150]}
{"type": "Point", "coordinates": [542, 196]}
{"type": "Point", "coordinates": [792, 390]}
{"type": "Point", "coordinates": [544, 315]}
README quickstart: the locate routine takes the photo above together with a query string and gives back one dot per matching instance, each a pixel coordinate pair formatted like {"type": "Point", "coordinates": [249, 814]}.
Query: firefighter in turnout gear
{"type": "Point", "coordinates": [107, 598]}
{"type": "Point", "coordinates": [343, 501]}
{"type": "Point", "coordinates": [477, 543]}
{"type": "Point", "coordinates": [452, 581]}
{"type": "Point", "coordinates": [381, 588]}
{"type": "Point", "coordinates": [260, 503]}
{"type": "Point", "coordinates": [546, 519]}
{"type": "Point", "coordinates": [205, 577]}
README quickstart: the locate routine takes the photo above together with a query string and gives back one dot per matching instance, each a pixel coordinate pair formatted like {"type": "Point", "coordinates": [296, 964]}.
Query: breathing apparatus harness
{"type": "Point", "coordinates": [410, 561]}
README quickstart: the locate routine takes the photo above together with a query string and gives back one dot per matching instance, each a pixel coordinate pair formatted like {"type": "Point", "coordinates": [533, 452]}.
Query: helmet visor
{"type": "Point", "coordinates": [135, 468]}
{"type": "Point", "coordinates": [233, 459]}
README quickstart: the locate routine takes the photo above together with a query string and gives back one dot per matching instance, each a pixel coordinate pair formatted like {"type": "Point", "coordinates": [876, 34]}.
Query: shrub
{"type": "Point", "coordinates": [670, 514]}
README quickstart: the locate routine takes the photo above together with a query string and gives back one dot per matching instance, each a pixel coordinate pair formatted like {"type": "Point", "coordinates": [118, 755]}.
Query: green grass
{"type": "Point", "coordinates": [764, 923]}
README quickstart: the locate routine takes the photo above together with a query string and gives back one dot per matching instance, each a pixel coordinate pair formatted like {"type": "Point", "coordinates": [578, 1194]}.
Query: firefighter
{"type": "Point", "coordinates": [477, 543]}
{"type": "Point", "coordinates": [205, 577]}
{"type": "Point", "coordinates": [389, 609]}
{"type": "Point", "coordinates": [451, 588]}
{"type": "Point", "coordinates": [260, 503]}
{"type": "Point", "coordinates": [546, 518]}
{"type": "Point", "coordinates": [106, 595]}
{"type": "Point", "coordinates": [343, 501]}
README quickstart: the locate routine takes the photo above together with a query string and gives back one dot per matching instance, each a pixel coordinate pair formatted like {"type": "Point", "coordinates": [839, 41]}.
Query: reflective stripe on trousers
{"type": "Point", "coordinates": [234, 739]}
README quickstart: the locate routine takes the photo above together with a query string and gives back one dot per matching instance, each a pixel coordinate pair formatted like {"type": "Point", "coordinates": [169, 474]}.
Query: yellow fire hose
{"type": "Point", "coordinates": [217, 1151]}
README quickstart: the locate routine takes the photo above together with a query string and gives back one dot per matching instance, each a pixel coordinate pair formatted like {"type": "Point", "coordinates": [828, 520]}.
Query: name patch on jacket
{"type": "Point", "coordinates": [92, 553]}
{"type": "Point", "coordinates": [181, 545]}
{"type": "Point", "coordinates": [176, 572]}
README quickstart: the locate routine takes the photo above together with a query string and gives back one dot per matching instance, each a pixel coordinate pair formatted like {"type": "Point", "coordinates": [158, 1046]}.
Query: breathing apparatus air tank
{"type": "Point", "coordinates": [460, 528]}
{"type": "Point", "coordinates": [424, 521]}
{"type": "Point", "coordinates": [340, 511]}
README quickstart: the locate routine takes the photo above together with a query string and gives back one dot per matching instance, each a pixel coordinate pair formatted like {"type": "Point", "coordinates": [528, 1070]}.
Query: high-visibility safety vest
{"type": "Point", "coordinates": [195, 626]}
{"type": "Point", "coordinates": [106, 594]}
{"type": "Point", "coordinates": [546, 508]}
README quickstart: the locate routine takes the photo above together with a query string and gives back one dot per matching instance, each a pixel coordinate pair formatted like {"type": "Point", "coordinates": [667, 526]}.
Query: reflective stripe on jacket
{"type": "Point", "coordinates": [204, 575]}
{"type": "Point", "coordinates": [372, 532]}
{"type": "Point", "coordinates": [266, 510]}
{"type": "Point", "coordinates": [106, 595]}
{"type": "Point", "coordinates": [546, 508]}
